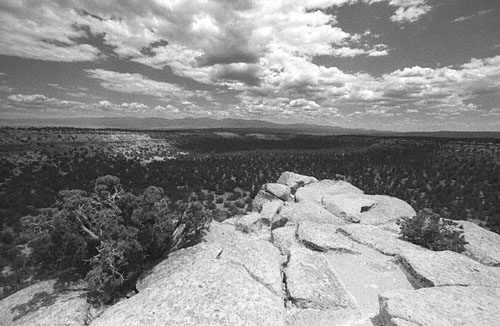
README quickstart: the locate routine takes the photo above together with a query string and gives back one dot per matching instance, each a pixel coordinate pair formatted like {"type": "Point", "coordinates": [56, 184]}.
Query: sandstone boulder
{"type": "Point", "coordinates": [350, 204]}
{"type": "Point", "coordinates": [312, 284]}
{"type": "Point", "coordinates": [306, 211]}
{"type": "Point", "coordinates": [386, 210]}
{"type": "Point", "coordinates": [323, 237]}
{"type": "Point", "coordinates": [279, 190]}
{"type": "Point", "coordinates": [483, 245]}
{"type": "Point", "coordinates": [198, 286]}
{"type": "Point", "coordinates": [294, 180]}
{"type": "Point", "coordinates": [270, 210]}
{"type": "Point", "coordinates": [44, 305]}
{"type": "Point", "coordinates": [263, 197]}
{"type": "Point", "coordinates": [284, 238]}
{"type": "Point", "coordinates": [441, 268]}
{"type": "Point", "coordinates": [316, 191]}
{"type": "Point", "coordinates": [441, 306]}
{"type": "Point", "coordinates": [251, 222]}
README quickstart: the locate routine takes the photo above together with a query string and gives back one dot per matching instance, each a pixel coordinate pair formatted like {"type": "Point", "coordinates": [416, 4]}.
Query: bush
{"type": "Point", "coordinates": [430, 231]}
{"type": "Point", "coordinates": [110, 235]}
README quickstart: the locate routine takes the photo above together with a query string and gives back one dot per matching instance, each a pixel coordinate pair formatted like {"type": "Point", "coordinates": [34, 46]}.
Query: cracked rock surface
{"type": "Point", "coordinates": [329, 256]}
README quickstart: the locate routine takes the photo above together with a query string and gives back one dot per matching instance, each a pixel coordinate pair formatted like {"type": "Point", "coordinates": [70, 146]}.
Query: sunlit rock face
{"type": "Point", "coordinates": [46, 304]}
{"type": "Point", "coordinates": [312, 253]}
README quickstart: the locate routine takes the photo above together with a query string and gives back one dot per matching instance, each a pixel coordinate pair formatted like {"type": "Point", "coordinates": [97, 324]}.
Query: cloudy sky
{"type": "Point", "coordinates": [382, 64]}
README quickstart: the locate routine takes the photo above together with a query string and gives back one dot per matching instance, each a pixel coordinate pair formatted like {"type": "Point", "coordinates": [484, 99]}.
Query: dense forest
{"type": "Point", "coordinates": [458, 179]}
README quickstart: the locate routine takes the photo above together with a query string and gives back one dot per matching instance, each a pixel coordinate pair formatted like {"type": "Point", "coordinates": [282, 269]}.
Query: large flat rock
{"type": "Point", "coordinates": [441, 268]}
{"type": "Point", "coordinates": [43, 305]}
{"type": "Point", "coordinates": [483, 245]}
{"type": "Point", "coordinates": [324, 237]}
{"type": "Point", "coordinates": [196, 286]}
{"type": "Point", "coordinates": [260, 258]}
{"type": "Point", "coordinates": [386, 210]}
{"type": "Point", "coordinates": [441, 306]}
{"type": "Point", "coordinates": [378, 238]}
{"type": "Point", "coordinates": [365, 276]}
{"type": "Point", "coordinates": [350, 204]}
{"type": "Point", "coordinates": [311, 283]}
{"type": "Point", "coordinates": [316, 191]}
{"type": "Point", "coordinates": [332, 317]}
{"type": "Point", "coordinates": [307, 211]}
{"type": "Point", "coordinates": [294, 180]}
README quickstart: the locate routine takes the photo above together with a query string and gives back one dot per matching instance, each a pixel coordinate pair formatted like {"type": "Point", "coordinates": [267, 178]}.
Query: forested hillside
{"type": "Point", "coordinates": [458, 179]}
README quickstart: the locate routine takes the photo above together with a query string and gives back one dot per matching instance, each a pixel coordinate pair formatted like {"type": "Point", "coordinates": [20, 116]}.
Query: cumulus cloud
{"type": "Point", "coordinates": [133, 83]}
{"type": "Point", "coordinates": [409, 10]}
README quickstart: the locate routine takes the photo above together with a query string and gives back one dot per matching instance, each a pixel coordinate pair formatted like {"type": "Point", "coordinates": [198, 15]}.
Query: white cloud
{"type": "Point", "coordinates": [137, 84]}
{"type": "Point", "coordinates": [465, 18]}
{"type": "Point", "coordinates": [378, 50]}
{"type": "Point", "coordinates": [348, 52]}
{"type": "Point", "coordinates": [409, 10]}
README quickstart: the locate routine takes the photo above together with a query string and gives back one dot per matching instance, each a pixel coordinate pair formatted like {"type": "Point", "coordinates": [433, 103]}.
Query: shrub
{"type": "Point", "coordinates": [429, 230]}
{"type": "Point", "coordinates": [109, 236]}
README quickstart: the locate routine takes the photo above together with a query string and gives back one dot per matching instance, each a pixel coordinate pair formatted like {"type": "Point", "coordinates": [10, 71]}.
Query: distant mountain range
{"type": "Point", "coordinates": [210, 123]}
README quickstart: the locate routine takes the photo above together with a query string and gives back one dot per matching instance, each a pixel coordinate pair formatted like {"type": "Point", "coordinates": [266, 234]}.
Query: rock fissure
{"type": "Point", "coordinates": [255, 277]}
{"type": "Point", "coordinates": [287, 300]}
{"type": "Point", "coordinates": [416, 280]}
{"type": "Point", "coordinates": [364, 243]}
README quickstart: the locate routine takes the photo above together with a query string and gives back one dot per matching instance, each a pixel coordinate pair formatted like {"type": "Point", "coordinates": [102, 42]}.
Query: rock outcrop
{"type": "Point", "coordinates": [441, 306]}
{"type": "Point", "coordinates": [46, 304]}
{"type": "Point", "coordinates": [311, 253]}
{"type": "Point", "coordinates": [483, 245]}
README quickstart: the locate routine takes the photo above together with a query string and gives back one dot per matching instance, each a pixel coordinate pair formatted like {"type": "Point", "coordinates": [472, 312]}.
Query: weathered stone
{"type": "Point", "coordinates": [350, 204]}
{"type": "Point", "coordinates": [270, 210]}
{"type": "Point", "coordinates": [222, 233]}
{"type": "Point", "coordinates": [231, 220]}
{"type": "Point", "coordinates": [251, 222]}
{"type": "Point", "coordinates": [441, 306]}
{"type": "Point", "coordinates": [323, 237]}
{"type": "Point", "coordinates": [440, 268]}
{"type": "Point", "coordinates": [198, 286]}
{"type": "Point", "coordinates": [260, 258]}
{"type": "Point", "coordinates": [387, 210]}
{"type": "Point", "coordinates": [41, 304]}
{"type": "Point", "coordinates": [483, 245]}
{"type": "Point", "coordinates": [284, 238]}
{"type": "Point", "coordinates": [365, 276]}
{"type": "Point", "coordinates": [331, 317]}
{"type": "Point", "coordinates": [279, 190]}
{"type": "Point", "coordinates": [306, 211]}
{"type": "Point", "coordinates": [261, 198]}
{"type": "Point", "coordinates": [312, 284]}
{"type": "Point", "coordinates": [294, 180]}
{"type": "Point", "coordinates": [378, 238]}
{"type": "Point", "coordinates": [316, 191]}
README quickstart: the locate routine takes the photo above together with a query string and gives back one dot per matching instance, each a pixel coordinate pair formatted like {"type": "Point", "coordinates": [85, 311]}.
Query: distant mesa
{"type": "Point", "coordinates": [154, 123]}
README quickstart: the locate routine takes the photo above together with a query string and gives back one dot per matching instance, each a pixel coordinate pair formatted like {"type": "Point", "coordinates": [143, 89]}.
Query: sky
{"type": "Point", "coordinates": [400, 65]}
